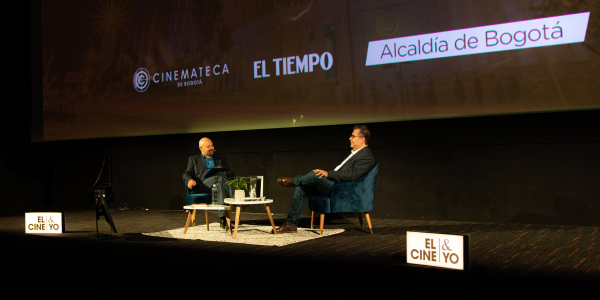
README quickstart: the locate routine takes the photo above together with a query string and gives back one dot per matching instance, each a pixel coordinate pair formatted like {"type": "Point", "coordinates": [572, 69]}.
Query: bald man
{"type": "Point", "coordinates": [197, 167]}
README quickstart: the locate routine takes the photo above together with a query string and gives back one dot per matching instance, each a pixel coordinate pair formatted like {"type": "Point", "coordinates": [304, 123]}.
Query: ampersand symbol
{"type": "Point", "coordinates": [446, 247]}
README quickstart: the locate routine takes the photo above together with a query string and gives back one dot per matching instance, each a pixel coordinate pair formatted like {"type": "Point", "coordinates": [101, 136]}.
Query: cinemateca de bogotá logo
{"type": "Point", "coordinates": [141, 80]}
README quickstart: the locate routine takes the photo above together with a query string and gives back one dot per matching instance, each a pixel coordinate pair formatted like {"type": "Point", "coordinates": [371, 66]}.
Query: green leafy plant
{"type": "Point", "coordinates": [240, 183]}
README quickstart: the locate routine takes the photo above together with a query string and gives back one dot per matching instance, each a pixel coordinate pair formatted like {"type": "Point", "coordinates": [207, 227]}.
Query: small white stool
{"type": "Point", "coordinates": [192, 214]}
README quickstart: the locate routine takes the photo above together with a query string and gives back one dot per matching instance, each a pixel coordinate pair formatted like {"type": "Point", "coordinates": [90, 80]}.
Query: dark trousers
{"type": "Point", "coordinates": [223, 190]}
{"type": "Point", "coordinates": [306, 186]}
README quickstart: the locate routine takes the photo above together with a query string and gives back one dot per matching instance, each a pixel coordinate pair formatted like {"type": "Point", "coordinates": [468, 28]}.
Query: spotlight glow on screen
{"type": "Point", "coordinates": [126, 68]}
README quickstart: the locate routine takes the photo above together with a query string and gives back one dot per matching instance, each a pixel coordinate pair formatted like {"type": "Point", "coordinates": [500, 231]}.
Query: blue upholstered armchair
{"type": "Point", "coordinates": [191, 198]}
{"type": "Point", "coordinates": [345, 197]}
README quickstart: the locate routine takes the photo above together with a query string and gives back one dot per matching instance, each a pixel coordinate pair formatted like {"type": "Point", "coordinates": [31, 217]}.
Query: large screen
{"type": "Point", "coordinates": [143, 67]}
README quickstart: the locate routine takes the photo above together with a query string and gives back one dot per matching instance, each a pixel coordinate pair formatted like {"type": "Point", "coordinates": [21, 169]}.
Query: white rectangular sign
{"type": "Point", "coordinates": [565, 29]}
{"type": "Point", "coordinates": [437, 250]}
{"type": "Point", "coordinates": [44, 222]}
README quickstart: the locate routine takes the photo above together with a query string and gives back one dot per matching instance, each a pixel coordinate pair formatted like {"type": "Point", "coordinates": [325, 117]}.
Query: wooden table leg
{"type": "Point", "coordinates": [271, 218]}
{"type": "Point", "coordinates": [194, 218]}
{"type": "Point", "coordinates": [206, 213]}
{"type": "Point", "coordinates": [238, 209]}
{"type": "Point", "coordinates": [228, 217]}
{"type": "Point", "coordinates": [188, 222]}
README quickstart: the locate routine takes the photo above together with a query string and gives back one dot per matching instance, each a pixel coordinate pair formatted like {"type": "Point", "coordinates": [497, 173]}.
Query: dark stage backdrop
{"type": "Point", "coordinates": [130, 68]}
{"type": "Point", "coordinates": [529, 168]}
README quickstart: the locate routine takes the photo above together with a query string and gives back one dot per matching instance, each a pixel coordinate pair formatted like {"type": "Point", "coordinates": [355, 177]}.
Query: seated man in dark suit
{"type": "Point", "coordinates": [320, 182]}
{"type": "Point", "coordinates": [197, 167]}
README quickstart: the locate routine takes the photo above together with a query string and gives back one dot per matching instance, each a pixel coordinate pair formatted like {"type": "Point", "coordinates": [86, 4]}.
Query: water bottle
{"type": "Point", "coordinates": [214, 194]}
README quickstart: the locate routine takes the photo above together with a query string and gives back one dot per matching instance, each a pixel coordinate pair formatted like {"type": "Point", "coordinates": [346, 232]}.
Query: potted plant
{"type": "Point", "coordinates": [240, 184]}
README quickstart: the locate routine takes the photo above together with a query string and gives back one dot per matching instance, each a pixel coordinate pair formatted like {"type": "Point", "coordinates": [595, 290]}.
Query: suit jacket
{"type": "Point", "coordinates": [359, 164]}
{"type": "Point", "coordinates": [196, 167]}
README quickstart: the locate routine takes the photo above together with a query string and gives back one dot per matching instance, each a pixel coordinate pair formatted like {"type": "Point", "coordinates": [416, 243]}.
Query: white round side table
{"type": "Point", "coordinates": [192, 214]}
{"type": "Point", "coordinates": [238, 204]}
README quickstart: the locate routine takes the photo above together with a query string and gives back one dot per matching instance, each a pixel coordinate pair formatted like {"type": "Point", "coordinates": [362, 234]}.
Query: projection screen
{"type": "Point", "coordinates": [127, 68]}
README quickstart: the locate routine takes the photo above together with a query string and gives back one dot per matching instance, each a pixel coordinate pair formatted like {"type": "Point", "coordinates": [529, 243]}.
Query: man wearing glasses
{"type": "Point", "coordinates": [320, 182]}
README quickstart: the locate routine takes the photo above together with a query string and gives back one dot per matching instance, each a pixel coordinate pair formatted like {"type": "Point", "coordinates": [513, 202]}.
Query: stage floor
{"type": "Point", "coordinates": [559, 257]}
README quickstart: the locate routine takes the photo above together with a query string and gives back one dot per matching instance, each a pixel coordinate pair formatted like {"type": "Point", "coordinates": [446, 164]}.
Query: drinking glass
{"type": "Point", "coordinates": [252, 186]}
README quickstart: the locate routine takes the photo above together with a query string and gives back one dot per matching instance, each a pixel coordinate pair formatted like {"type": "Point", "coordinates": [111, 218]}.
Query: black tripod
{"type": "Point", "coordinates": [102, 210]}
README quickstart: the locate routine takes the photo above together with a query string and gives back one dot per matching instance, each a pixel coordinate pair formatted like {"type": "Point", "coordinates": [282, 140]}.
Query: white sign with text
{"type": "Point", "coordinates": [44, 222]}
{"type": "Point", "coordinates": [437, 250]}
{"type": "Point", "coordinates": [551, 31]}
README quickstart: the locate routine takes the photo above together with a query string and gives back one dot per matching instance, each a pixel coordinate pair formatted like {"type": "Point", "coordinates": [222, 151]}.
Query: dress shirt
{"type": "Point", "coordinates": [210, 163]}
{"type": "Point", "coordinates": [352, 152]}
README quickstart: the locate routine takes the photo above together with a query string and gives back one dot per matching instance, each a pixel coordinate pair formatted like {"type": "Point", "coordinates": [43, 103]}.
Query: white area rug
{"type": "Point", "coordinates": [247, 234]}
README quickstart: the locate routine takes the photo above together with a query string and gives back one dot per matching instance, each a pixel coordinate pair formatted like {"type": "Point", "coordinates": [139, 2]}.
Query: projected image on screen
{"type": "Point", "coordinates": [124, 68]}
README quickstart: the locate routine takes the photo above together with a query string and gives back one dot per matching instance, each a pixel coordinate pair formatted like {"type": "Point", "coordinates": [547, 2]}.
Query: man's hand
{"type": "Point", "coordinates": [320, 173]}
{"type": "Point", "coordinates": [191, 184]}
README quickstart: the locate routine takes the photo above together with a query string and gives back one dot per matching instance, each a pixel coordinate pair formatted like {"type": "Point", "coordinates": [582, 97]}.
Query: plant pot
{"type": "Point", "coordinates": [239, 194]}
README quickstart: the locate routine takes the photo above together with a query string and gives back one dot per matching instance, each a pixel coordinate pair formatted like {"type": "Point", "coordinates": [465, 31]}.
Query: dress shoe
{"type": "Point", "coordinates": [286, 228]}
{"type": "Point", "coordinates": [286, 181]}
{"type": "Point", "coordinates": [280, 227]}
{"type": "Point", "coordinates": [223, 223]}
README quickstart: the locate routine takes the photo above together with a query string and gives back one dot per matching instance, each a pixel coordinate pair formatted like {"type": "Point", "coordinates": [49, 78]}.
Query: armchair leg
{"type": "Point", "coordinates": [369, 222]}
{"type": "Point", "coordinates": [359, 215]}
{"type": "Point", "coordinates": [322, 217]}
{"type": "Point", "coordinates": [312, 220]}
